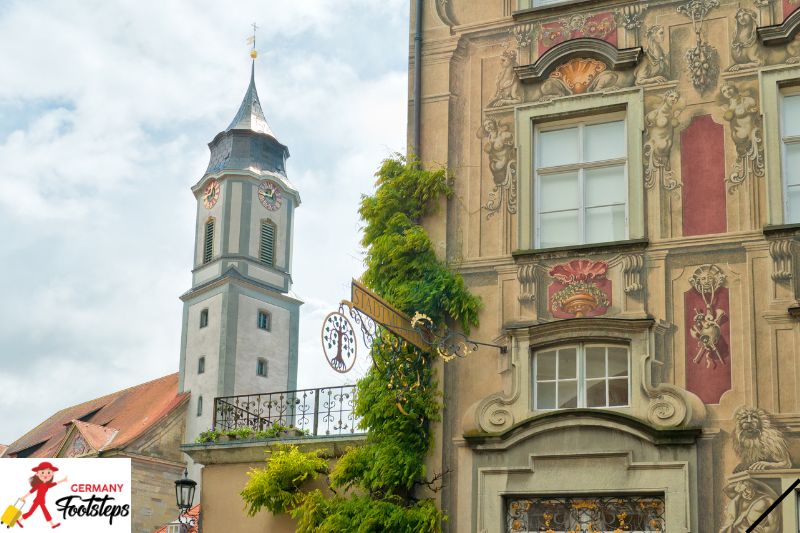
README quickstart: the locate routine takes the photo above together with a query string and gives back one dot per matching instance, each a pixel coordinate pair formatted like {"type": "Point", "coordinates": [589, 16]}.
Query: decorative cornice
{"type": "Point", "coordinates": [615, 58]}
{"type": "Point", "coordinates": [782, 33]}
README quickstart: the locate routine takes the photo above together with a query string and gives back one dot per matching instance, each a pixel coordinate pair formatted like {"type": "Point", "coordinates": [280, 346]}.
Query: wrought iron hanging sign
{"type": "Point", "coordinates": [339, 342]}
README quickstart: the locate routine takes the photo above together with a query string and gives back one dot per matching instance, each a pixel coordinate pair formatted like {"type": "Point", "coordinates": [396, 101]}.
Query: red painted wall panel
{"type": "Point", "coordinates": [703, 176]}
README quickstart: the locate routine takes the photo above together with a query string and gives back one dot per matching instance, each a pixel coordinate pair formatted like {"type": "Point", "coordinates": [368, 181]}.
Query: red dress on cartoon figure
{"type": "Point", "coordinates": [41, 482]}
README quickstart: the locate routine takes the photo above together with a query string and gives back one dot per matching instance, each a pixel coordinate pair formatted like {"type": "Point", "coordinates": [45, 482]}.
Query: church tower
{"type": "Point", "coordinates": [240, 318]}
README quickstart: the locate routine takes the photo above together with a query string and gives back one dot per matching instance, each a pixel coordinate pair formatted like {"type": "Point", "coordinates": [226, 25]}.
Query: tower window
{"type": "Point", "coordinates": [208, 242]}
{"type": "Point", "coordinates": [264, 320]}
{"type": "Point", "coordinates": [201, 365]}
{"type": "Point", "coordinates": [203, 318]}
{"type": "Point", "coordinates": [261, 367]}
{"type": "Point", "coordinates": [199, 406]}
{"type": "Point", "coordinates": [266, 250]}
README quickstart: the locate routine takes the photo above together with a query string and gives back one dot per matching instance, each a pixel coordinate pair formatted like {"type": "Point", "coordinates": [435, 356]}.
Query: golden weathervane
{"type": "Point", "coordinates": [252, 42]}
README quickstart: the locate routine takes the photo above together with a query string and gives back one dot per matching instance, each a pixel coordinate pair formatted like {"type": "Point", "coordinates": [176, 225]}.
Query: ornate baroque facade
{"type": "Point", "coordinates": [625, 207]}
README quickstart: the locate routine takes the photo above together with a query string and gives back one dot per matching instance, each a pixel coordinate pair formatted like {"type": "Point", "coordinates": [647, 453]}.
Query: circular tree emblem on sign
{"type": "Point", "coordinates": [339, 342]}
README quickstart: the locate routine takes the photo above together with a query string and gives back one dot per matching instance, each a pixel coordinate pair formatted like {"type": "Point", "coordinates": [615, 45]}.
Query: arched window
{"type": "Point", "coordinates": [201, 365]}
{"type": "Point", "coordinates": [264, 320]}
{"type": "Point", "coordinates": [266, 249]}
{"type": "Point", "coordinates": [208, 241]}
{"type": "Point", "coordinates": [199, 406]}
{"type": "Point", "coordinates": [203, 318]}
{"type": "Point", "coordinates": [261, 367]}
{"type": "Point", "coordinates": [581, 375]}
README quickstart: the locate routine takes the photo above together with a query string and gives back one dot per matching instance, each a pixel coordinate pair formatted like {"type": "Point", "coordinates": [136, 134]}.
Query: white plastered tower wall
{"type": "Point", "coordinates": [232, 282]}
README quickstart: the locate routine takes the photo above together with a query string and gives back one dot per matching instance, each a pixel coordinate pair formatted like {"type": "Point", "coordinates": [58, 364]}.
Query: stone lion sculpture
{"type": "Point", "coordinates": [757, 443]}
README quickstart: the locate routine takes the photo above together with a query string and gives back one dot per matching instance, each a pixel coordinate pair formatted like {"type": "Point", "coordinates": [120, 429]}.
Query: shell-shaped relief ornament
{"type": "Point", "coordinates": [579, 73]}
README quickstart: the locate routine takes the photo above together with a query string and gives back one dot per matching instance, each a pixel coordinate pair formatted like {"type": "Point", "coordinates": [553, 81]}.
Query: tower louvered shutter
{"type": "Point", "coordinates": [208, 243]}
{"type": "Point", "coordinates": [267, 250]}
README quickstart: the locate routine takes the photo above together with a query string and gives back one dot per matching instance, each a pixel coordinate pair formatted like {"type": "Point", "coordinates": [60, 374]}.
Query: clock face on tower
{"type": "Point", "coordinates": [269, 194]}
{"type": "Point", "coordinates": [211, 194]}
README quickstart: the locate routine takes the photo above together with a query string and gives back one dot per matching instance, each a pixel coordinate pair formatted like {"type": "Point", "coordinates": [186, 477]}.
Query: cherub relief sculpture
{"type": "Point", "coordinates": [509, 88]}
{"type": "Point", "coordinates": [581, 75]}
{"type": "Point", "coordinates": [744, 48]}
{"type": "Point", "coordinates": [757, 443]}
{"type": "Point", "coordinates": [749, 499]}
{"type": "Point", "coordinates": [741, 111]}
{"type": "Point", "coordinates": [498, 143]}
{"type": "Point", "coordinates": [654, 67]}
{"type": "Point", "coordinates": [660, 126]}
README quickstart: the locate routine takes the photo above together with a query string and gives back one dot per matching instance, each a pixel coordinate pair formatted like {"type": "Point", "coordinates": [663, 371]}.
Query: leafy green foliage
{"type": "Point", "coordinates": [276, 488]}
{"type": "Point", "coordinates": [275, 431]}
{"type": "Point", "coordinates": [374, 487]}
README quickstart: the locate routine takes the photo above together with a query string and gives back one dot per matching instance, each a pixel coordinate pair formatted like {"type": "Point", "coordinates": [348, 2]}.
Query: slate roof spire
{"type": "Point", "coordinates": [250, 115]}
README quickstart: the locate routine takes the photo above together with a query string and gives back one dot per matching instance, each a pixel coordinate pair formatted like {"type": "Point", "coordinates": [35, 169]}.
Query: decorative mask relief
{"type": "Point", "coordinates": [581, 75]}
{"type": "Point", "coordinates": [744, 48]}
{"type": "Point", "coordinates": [758, 444]}
{"type": "Point", "coordinates": [749, 499]}
{"type": "Point", "coordinates": [741, 111]}
{"type": "Point", "coordinates": [707, 308]}
{"type": "Point", "coordinates": [660, 126]}
{"type": "Point", "coordinates": [498, 143]}
{"type": "Point", "coordinates": [703, 59]}
{"type": "Point", "coordinates": [654, 67]}
{"type": "Point", "coordinates": [600, 26]}
{"type": "Point", "coordinates": [508, 89]}
{"type": "Point", "coordinates": [579, 289]}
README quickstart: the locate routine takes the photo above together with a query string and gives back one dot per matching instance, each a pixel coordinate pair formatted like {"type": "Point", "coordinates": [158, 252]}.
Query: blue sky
{"type": "Point", "coordinates": [106, 109]}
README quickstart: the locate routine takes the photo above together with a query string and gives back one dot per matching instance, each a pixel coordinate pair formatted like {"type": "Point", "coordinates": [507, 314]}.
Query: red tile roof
{"type": "Point", "coordinates": [194, 512]}
{"type": "Point", "coordinates": [130, 411]}
{"type": "Point", "coordinates": [98, 437]}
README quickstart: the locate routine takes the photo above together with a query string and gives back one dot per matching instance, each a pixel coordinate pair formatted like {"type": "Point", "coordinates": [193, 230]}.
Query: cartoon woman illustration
{"type": "Point", "coordinates": [41, 482]}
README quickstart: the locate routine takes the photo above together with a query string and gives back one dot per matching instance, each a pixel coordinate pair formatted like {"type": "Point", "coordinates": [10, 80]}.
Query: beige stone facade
{"type": "Point", "coordinates": [688, 283]}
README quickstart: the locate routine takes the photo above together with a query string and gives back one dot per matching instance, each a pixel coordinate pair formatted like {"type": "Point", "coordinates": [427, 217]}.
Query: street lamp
{"type": "Point", "coordinates": [184, 496]}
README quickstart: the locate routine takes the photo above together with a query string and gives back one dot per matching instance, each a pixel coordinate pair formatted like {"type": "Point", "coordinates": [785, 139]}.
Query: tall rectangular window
{"type": "Point", "coordinates": [266, 250]}
{"type": "Point", "coordinates": [261, 367]}
{"type": "Point", "coordinates": [204, 318]}
{"type": "Point", "coordinates": [208, 242]}
{"type": "Point", "coordinates": [263, 320]}
{"type": "Point", "coordinates": [580, 171]}
{"type": "Point", "coordinates": [790, 141]}
{"type": "Point", "coordinates": [582, 375]}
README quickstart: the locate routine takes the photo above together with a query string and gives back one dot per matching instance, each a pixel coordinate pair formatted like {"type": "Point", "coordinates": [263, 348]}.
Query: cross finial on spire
{"type": "Point", "coordinates": [252, 41]}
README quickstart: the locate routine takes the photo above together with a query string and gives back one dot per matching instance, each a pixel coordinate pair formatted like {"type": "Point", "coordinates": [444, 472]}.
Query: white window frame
{"type": "Point", "coordinates": [580, 167]}
{"type": "Point", "coordinates": [788, 217]}
{"type": "Point", "coordinates": [580, 374]}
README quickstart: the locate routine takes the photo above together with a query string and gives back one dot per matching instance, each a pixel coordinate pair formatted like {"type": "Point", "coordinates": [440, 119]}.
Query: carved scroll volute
{"type": "Point", "coordinates": [633, 273]}
{"type": "Point", "coordinates": [527, 283]}
{"type": "Point", "coordinates": [782, 252]}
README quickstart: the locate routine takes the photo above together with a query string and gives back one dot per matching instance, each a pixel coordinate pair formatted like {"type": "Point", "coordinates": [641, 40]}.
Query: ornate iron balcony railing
{"type": "Point", "coordinates": [315, 412]}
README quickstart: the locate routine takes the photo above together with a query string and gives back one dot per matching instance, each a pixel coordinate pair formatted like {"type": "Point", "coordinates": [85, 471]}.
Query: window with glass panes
{"type": "Point", "coordinates": [581, 183]}
{"type": "Point", "coordinates": [790, 137]}
{"type": "Point", "coordinates": [581, 375]}
{"type": "Point", "coordinates": [527, 4]}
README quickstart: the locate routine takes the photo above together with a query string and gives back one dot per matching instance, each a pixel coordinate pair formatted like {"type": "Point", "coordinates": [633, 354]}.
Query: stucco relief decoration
{"type": "Point", "coordinates": [498, 143]}
{"type": "Point", "coordinates": [654, 67]}
{"type": "Point", "coordinates": [580, 288]}
{"type": "Point", "coordinates": [631, 17]}
{"type": "Point", "coordinates": [793, 51]}
{"type": "Point", "coordinates": [660, 126]}
{"type": "Point", "coordinates": [578, 76]}
{"type": "Point", "coordinates": [600, 26]}
{"type": "Point", "coordinates": [508, 89]}
{"type": "Point", "coordinates": [706, 330]}
{"type": "Point", "coordinates": [748, 500]}
{"type": "Point", "coordinates": [523, 34]}
{"type": "Point", "coordinates": [527, 280]}
{"type": "Point", "coordinates": [758, 444]}
{"type": "Point", "coordinates": [741, 112]}
{"type": "Point", "coordinates": [703, 59]}
{"type": "Point", "coordinates": [782, 253]}
{"type": "Point", "coordinates": [744, 48]}
{"type": "Point", "coordinates": [632, 272]}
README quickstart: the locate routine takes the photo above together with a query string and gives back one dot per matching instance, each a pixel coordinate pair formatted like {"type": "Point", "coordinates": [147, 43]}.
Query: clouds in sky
{"type": "Point", "coordinates": [105, 112]}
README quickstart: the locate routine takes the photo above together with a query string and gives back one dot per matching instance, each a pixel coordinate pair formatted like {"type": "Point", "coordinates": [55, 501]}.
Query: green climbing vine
{"type": "Point", "coordinates": [377, 487]}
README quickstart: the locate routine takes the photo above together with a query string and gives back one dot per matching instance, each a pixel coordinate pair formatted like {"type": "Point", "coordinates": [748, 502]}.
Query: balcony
{"type": "Point", "coordinates": [320, 412]}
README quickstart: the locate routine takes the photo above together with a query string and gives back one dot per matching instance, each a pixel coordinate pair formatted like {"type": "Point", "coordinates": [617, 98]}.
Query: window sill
{"type": "Point", "coordinates": [589, 249]}
{"type": "Point", "coordinates": [781, 230]}
{"type": "Point", "coordinates": [550, 8]}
